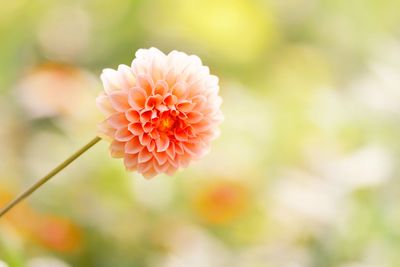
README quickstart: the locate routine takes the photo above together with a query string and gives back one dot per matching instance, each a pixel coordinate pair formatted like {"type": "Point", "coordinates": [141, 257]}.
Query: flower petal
{"type": "Point", "coordinates": [119, 100]}
{"type": "Point", "coordinates": [161, 157]}
{"type": "Point", "coordinates": [160, 168]}
{"type": "Point", "coordinates": [111, 80]}
{"type": "Point", "coordinates": [144, 139]}
{"type": "Point", "coordinates": [123, 135]}
{"type": "Point", "coordinates": [180, 135]}
{"type": "Point", "coordinates": [127, 75]}
{"type": "Point", "coordinates": [171, 170]}
{"type": "Point", "coordinates": [179, 89]}
{"type": "Point", "coordinates": [161, 88]}
{"type": "Point", "coordinates": [103, 103]}
{"type": "Point", "coordinates": [146, 83]}
{"type": "Point", "coordinates": [118, 120]}
{"type": "Point", "coordinates": [194, 117]}
{"type": "Point", "coordinates": [151, 146]}
{"type": "Point", "coordinates": [170, 100]}
{"type": "Point", "coordinates": [144, 167]}
{"type": "Point", "coordinates": [144, 155]}
{"type": "Point", "coordinates": [185, 106]}
{"type": "Point", "coordinates": [147, 127]}
{"type": "Point", "coordinates": [191, 148]}
{"type": "Point", "coordinates": [117, 149]}
{"type": "Point", "coordinates": [162, 143]}
{"type": "Point", "coordinates": [132, 115]}
{"type": "Point", "coordinates": [153, 101]}
{"type": "Point", "coordinates": [105, 130]}
{"type": "Point", "coordinates": [136, 128]}
{"type": "Point", "coordinates": [133, 146]}
{"type": "Point", "coordinates": [150, 172]}
{"type": "Point", "coordinates": [130, 162]}
{"type": "Point", "coordinates": [171, 150]}
{"type": "Point", "coordinates": [137, 98]}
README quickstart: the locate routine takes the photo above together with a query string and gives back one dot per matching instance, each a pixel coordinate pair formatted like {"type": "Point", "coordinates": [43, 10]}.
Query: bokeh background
{"type": "Point", "coordinates": [305, 173]}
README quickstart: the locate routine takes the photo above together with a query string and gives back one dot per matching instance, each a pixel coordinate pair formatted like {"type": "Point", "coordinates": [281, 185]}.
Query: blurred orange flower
{"type": "Point", "coordinates": [20, 215]}
{"type": "Point", "coordinates": [55, 89]}
{"type": "Point", "coordinates": [56, 233]}
{"type": "Point", "coordinates": [221, 202]}
{"type": "Point", "coordinates": [50, 231]}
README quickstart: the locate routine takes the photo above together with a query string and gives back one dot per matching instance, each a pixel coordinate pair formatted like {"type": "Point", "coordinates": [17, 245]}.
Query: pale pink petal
{"type": "Point", "coordinates": [105, 131]}
{"type": "Point", "coordinates": [127, 75]}
{"type": "Point", "coordinates": [180, 135]}
{"type": "Point", "coordinates": [136, 128]}
{"type": "Point", "coordinates": [171, 76]}
{"type": "Point", "coordinates": [161, 88]}
{"type": "Point", "coordinates": [144, 155]}
{"type": "Point", "coordinates": [145, 115]}
{"type": "Point", "coordinates": [137, 98]}
{"type": "Point", "coordinates": [153, 101]}
{"type": "Point", "coordinates": [144, 167]}
{"type": "Point", "coordinates": [202, 126]}
{"type": "Point", "coordinates": [160, 168]}
{"type": "Point", "coordinates": [174, 162]}
{"type": "Point", "coordinates": [133, 146]}
{"type": "Point", "coordinates": [157, 70]}
{"type": "Point", "coordinates": [151, 146]}
{"type": "Point", "coordinates": [171, 170]}
{"type": "Point", "coordinates": [144, 139]}
{"type": "Point", "coordinates": [103, 103]}
{"type": "Point", "coordinates": [111, 80]}
{"type": "Point", "coordinates": [154, 134]}
{"type": "Point", "coordinates": [179, 89]}
{"type": "Point", "coordinates": [162, 143]}
{"type": "Point", "coordinates": [130, 162]}
{"type": "Point", "coordinates": [119, 100]}
{"type": "Point", "coordinates": [150, 172]}
{"type": "Point", "coordinates": [132, 115]}
{"type": "Point", "coordinates": [171, 150]}
{"type": "Point", "coordinates": [147, 127]}
{"type": "Point", "coordinates": [183, 161]}
{"type": "Point", "coordinates": [190, 148]}
{"type": "Point", "coordinates": [117, 149]}
{"type": "Point", "coordinates": [146, 83]}
{"type": "Point", "coordinates": [118, 120]}
{"type": "Point", "coordinates": [199, 101]}
{"type": "Point", "coordinates": [194, 117]}
{"type": "Point", "coordinates": [161, 157]}
{"type": "Point", "coordinates": [179, 148]}
{"type": "Point", "coordinates": [170, 100]}
{"type": "Point", "coordinates": [185, 106]}
{"type": "Point", "coordinates": [123, 135]}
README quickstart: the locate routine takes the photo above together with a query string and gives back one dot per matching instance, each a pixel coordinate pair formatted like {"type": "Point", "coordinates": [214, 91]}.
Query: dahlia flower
{"type": "Point", "coordinates": [162, 112]}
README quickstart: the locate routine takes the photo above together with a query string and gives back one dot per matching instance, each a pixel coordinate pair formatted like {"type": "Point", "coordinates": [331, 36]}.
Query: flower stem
{"type": "Point", "coordinates": [46, 178]}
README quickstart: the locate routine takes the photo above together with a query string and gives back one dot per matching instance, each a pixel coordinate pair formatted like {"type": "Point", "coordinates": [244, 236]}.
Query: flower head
{"type": "Point", "coordinates": [162, 112]}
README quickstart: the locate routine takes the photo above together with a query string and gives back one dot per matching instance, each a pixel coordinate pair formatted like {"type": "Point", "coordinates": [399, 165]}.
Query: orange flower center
{"type": "Point", "coordinates": [166, 124]}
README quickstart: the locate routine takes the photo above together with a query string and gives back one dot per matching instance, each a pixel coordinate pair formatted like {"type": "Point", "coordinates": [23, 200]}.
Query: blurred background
{"type": "Point", "coordinates": [305, 173]}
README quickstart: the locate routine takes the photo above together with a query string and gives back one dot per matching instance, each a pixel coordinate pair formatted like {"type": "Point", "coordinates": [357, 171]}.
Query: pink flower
{"type": "Point", "coordinates": [162, 112]}
{"type": "Point", "coordinates": [55, 90]}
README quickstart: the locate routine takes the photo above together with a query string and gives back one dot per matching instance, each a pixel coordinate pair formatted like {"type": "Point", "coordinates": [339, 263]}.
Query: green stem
{"type": "Point", "coordinates": [46, 178]}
